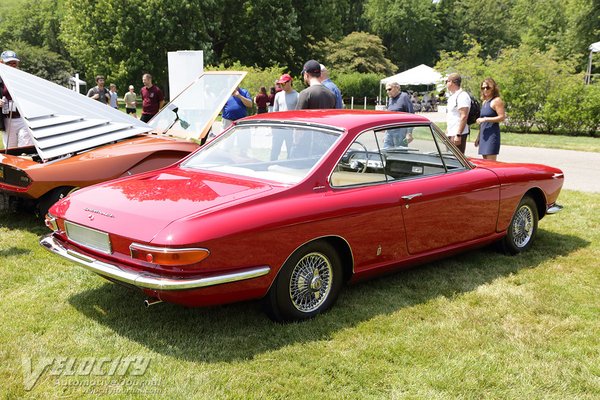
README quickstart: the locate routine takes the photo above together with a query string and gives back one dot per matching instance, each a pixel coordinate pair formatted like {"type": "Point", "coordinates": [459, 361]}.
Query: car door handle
{"type": "Point", "coordinates": [411, 196]}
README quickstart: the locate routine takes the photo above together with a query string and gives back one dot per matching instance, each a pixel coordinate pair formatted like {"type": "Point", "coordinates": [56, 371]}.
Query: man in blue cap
{"type": "Point", "coordinates": [16, 132]}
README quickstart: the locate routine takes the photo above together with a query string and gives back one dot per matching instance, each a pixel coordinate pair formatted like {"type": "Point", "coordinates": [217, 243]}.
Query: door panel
{"type": "Point", "coordinates": [444, 201]}
{"type": "Point", "coordinates": [368, 205]}
{"type": "Point", "coordinates": [451, 208]}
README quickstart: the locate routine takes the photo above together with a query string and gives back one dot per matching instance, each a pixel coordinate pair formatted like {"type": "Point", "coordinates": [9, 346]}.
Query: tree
{"type": "Point", "coordinates": [490, 23]}
{"type": "Point", "coordinates": [37, 22]}
{"type": "Point", "coordinates": [353, 16]}
{"type": "Point", "coordinates": [358, 52]}
{"type": "Point", "coordinates": [470, 66]}
{"type": "Point", "coordinates": [542, 23]}
{"type": "Point", "coordinates": [124, 39]}
{"type": "Point", "coordinates": [583, 29]}
{"type": "Point", "coordinates": [257, 32]}
{"type": "Point", "coordinates": [408, 29]}
{"type": "Point", "coordinates": [43, 63]}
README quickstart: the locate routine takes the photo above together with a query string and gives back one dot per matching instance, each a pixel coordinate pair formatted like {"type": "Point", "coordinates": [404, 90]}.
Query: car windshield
{"type": "Point", "coordinates": [192, 112]}
{"type": "Point", "coordinates": [283, 154]}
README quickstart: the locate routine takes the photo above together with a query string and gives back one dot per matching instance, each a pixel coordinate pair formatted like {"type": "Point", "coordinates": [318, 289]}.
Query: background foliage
{"type": "Point", "coordinates": [541, 91]}
{"type": "Point", "coordinates": [515, 39]}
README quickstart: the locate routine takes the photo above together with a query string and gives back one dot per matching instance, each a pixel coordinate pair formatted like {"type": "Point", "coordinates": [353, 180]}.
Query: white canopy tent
{"type": "Point", "coordinates": [419, 75]}
{"type": "Point", "coordinates": [594, 48]}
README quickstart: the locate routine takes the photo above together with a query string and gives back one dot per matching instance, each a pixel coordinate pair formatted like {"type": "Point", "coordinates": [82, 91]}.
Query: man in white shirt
{"type": "Point", "coordinates": [457, 112]}
{"type": "Point", "coordinates": [16, 131]}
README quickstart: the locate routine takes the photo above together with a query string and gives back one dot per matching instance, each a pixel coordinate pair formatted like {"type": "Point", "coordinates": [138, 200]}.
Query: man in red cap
{"type": "Point", "coordinates": [285, 100]}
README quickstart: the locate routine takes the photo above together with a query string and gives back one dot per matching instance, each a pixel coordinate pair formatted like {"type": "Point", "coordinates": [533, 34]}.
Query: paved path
{"type": "Point", "coordinates": [581, 168]}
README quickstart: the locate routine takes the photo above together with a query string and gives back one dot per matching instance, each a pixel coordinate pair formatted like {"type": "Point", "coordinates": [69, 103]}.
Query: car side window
{"type": "Point", "coordinates": [362, 164]}
{"type": "Point", "coordinates": [415, 151]}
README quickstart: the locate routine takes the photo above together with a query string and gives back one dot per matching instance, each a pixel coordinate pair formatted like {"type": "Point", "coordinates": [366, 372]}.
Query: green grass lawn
{"type": "Point", "coordinates": [480, 325]}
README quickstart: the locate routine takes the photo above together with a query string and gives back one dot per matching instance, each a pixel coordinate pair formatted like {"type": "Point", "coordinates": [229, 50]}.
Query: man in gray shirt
{"type": "Point", "coordinates": [285, 100]}
{"type": "Point", "coordinates": [316, 95]}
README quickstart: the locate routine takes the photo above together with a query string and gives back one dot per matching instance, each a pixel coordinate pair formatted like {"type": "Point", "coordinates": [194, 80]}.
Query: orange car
{"type": "Point", "coordinates": [79, 141]}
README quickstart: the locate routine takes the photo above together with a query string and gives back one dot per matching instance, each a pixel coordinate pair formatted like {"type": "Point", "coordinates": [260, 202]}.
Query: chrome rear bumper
{"type": "Point", "coordinates": [145, 280]}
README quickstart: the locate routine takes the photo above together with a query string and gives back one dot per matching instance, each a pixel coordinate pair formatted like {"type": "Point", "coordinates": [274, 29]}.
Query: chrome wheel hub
{"type": "Point", "coordinates": [310, 283]}
{"type": "Point", "coordinates": [523, 226]}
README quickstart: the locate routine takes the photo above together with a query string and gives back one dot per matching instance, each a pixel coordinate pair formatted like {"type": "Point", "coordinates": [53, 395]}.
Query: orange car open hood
{"type": "Point", "coordinates": [71, 122]}
{"type": "Point", "coordinates": [63, 121]}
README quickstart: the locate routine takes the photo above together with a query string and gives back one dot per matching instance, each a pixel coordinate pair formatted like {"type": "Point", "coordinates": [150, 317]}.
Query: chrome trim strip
{"type": "Point", "coordinates": [145, 280]}
{"type": "Point", "coordinates": [557, 176]}
{"type": "Point", "coordinates": [292, 124]}
{"type": "Point", "coordinates": [165, 250]}
{"type": "Point", "coordinates": [553, 209]}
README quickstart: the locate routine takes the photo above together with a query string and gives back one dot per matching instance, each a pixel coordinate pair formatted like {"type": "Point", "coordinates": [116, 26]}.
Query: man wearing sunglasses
{"type": "Point", "coordinates": [398, 101]}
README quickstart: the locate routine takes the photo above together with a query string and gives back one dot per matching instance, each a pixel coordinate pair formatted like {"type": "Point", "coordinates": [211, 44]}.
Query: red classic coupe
{"type": "Point", "coordinates": [289, 206]}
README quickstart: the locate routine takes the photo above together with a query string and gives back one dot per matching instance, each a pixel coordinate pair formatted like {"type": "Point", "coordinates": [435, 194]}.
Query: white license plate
{"type": "Point", "coordinates": [88, 237]}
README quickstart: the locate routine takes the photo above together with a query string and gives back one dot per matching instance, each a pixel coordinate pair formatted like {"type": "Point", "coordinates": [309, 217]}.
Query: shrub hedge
{"type": "Point", "coordinates": [540, 92]}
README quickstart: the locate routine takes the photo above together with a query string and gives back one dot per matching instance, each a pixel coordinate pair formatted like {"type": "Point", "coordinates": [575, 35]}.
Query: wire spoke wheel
{"type": "Point", "coordinates": [310, 282]}
{"type": "Point", "coordinates": [523, 226]}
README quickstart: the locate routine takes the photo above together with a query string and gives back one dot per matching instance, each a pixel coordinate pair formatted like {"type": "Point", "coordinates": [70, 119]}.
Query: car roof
{"type": "Point", "coordinates": [345, 119]}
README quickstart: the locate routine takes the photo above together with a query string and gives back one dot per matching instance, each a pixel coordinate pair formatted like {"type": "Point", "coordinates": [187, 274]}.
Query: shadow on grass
{"type": "Point", "coordinates": [16, 221]}
{"type": "Point", "coordinates": [22, 221]}
{"type": "Point", "coordinates": [240, 331]}
{"type": "Point", "coordinates": [14, 251]}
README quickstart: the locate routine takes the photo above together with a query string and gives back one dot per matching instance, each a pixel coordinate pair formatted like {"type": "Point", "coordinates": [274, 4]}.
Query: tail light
{"type": "Point", "coordinates": [50, 221]}
{"type": "Point", "coordinates": [167, 256]}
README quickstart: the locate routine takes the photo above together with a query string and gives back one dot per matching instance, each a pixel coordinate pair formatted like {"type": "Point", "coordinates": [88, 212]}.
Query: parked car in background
{"type": "Point", "coordinates": [79, 141]}
{"type": "Point", "coordinates": [242, 219]}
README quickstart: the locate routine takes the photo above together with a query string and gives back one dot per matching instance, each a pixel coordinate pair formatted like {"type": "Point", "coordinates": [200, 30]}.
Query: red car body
{"type": "Point", "coordinates": [254, 231]}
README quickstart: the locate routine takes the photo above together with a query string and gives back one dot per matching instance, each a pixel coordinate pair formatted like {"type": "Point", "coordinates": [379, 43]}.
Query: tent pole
{"type": "Point", "coordinates": [588, 76]}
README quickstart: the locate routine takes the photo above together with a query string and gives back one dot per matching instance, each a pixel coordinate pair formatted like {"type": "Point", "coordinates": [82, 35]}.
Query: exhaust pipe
{"type": "Point", "coordinates": [151, 301]}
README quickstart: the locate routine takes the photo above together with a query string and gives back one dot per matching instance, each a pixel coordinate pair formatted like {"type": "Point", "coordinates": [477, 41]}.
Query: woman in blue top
{"type": "Point", "coordinates": [492, 112]}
